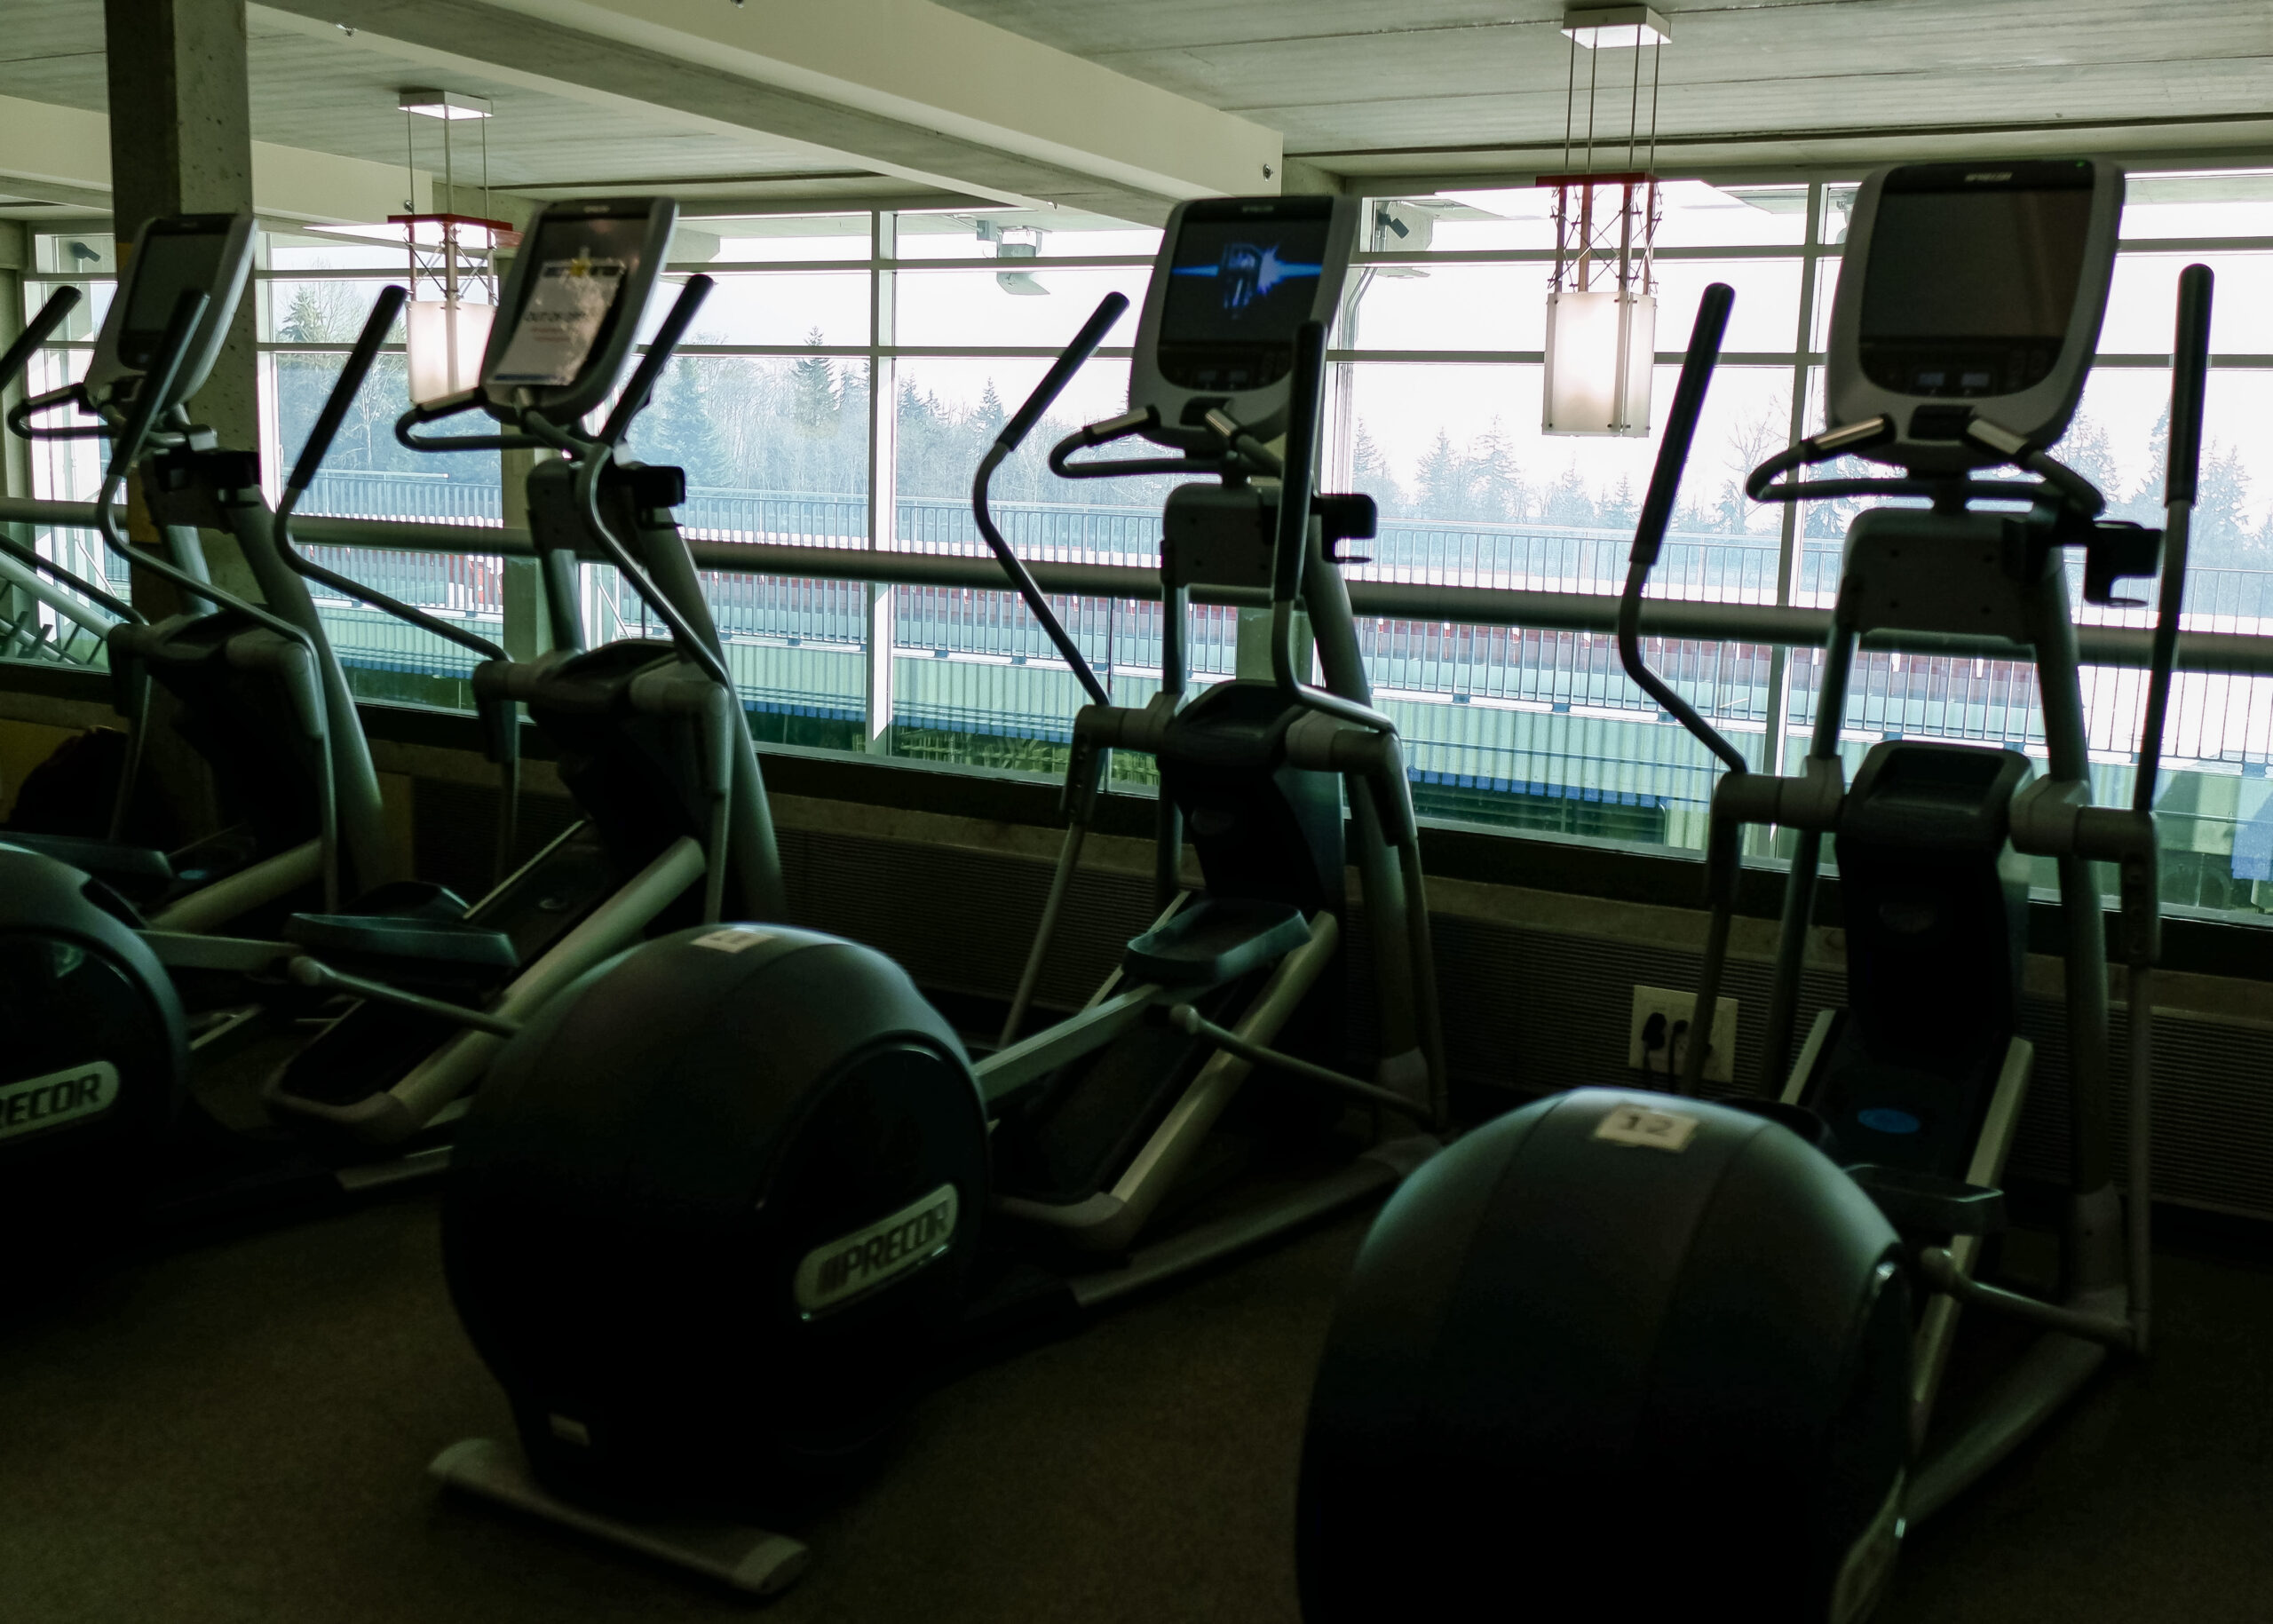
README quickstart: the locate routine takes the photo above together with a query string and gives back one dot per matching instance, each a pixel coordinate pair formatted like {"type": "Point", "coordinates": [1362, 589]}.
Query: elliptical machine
{"type": "Point", "coordinates": [117, 992]}
{"type": "Point", "coordinates": [1691, 1352]}
{"type": "Point", "coordinates": [410, 990]}
{"type": "Point", "coordinates": [260, 693]}
{"type": "Point", "coordinates": [648, 733]}
{"type": "Point", "coordinates": [721, 1208]}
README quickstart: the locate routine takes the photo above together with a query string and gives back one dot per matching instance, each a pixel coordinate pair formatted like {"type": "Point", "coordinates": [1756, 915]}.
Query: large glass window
{"type": "Point", "coordinates": [850, 369]}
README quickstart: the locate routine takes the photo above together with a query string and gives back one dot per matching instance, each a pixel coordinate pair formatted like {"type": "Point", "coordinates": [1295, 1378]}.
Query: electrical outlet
{"type": "Point", "coordinates": [1678, 1008]}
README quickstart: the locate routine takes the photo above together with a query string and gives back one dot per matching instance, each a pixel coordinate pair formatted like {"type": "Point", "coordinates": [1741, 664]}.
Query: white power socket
{"type": "Point", "coordinates": [1678, 1008]}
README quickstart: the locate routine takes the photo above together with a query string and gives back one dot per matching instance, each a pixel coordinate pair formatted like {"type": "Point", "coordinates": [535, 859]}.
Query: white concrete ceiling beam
{"type": "Point", "coordinates": [62, 156]}
{"type": "Point", "coordinates": [910, 89]}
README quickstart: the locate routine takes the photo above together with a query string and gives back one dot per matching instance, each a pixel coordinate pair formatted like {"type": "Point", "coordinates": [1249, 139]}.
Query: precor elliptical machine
{"type": "Point", "coordinates": [648, 733]}
{"type": "Point", "coordinates": [408, 990]}
{"type": "Point", "coordinates": [260, 693]}
{"type": "Point", "coordinates": [724, 1207]}
{"type": "Point", "coordinates": [118, 993]}
{"type": "Point", "coordinates": [1690, 1354]}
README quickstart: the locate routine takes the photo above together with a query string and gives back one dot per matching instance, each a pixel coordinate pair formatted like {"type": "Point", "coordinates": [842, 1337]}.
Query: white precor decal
{"type": "Point", "coordinates": [1658, 1130]}
{"type": "Point", "coordinates": [59, 1096]}
{"type": "Point", "coordinates": [853, 1266]}
{"type": "Point", "coordinates": [733, 939]}
{"type": "Point", "coordinates": [1870, 1561]}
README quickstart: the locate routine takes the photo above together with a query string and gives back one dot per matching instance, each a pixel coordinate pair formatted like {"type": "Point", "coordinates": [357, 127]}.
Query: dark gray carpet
{"type": "Point", "coordinates": [239, 1432]}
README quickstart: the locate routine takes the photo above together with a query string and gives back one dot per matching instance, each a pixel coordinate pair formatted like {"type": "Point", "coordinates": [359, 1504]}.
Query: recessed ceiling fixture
{"type": "Point", "coordinates": [450, 106]}
{"type": "Point", "coordinates": [1603, 28]}
{"type": "Point", "coordinates": [1602, 306]}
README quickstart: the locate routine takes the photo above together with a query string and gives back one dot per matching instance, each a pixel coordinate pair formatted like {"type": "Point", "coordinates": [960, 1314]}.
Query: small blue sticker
{"type": "Point", "coordinates": [1886, 1118]}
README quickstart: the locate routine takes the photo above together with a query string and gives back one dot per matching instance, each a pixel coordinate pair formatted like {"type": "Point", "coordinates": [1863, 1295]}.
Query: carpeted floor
{"type": "Point", "coordinates": [239, 1432]}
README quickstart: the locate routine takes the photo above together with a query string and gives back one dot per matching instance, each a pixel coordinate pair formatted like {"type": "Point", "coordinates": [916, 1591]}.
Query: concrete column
{"type": "Point", "coordinates": [15, 453]}
{"type": "Point", "coordinates": [181, 143]}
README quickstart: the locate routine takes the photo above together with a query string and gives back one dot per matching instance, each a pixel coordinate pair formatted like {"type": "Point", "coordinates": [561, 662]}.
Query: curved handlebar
{"type": "Point", "coordinates": [1021, 423]}
{"type": "Point", "coordinates": [385, 309]}
{"type": "Point", "coordinates": [2189, 368]}
{"type": "Point", "coordinates": [157, 384]}
{"type": "Point", "coordinates": [1070, 361]}
{"type": "Point", "coordinates": [1704, 354]}
{"type": "Point", "coordinates": [452, 406]}
{"type": "Point", "coordinates": [1696, 365]}
{"type": "Point", "coordinates": [2190, 373]}
{"type": "Point", "coordinates": [1298, 480]}
{"type": "Point", "coordinates": [36, 331]}
{"type": "Point", "coordinates": [659, 349]}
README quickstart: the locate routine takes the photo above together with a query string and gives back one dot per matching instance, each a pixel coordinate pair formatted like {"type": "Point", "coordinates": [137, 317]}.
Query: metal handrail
{"type": "Point", "coordinates": [2237, 652]}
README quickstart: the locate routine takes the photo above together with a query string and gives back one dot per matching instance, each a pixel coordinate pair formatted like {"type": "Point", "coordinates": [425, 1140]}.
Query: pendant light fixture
{"type": "Point", "coordinates": [451, 255]}
{"type": "Point", "coordinates": [1602, 307]}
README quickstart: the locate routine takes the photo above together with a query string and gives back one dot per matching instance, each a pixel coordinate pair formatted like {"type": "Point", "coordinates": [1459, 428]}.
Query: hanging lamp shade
{"type": "Point", "coordinates": [1602, 306]}
{"type": "Point", "coordinates": [1600, 348]}
{"type": "Point", "coordinates": [445, 338]}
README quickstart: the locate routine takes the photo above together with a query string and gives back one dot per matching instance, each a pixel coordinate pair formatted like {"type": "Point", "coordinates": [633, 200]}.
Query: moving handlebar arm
{"type": "Point", "coordinates": [1022, 423]}
{"type": "Point", "coordinates": [304, 682]}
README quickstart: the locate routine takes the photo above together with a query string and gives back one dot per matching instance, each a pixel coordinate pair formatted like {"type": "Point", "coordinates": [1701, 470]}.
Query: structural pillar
{"type": "Point", "coordinates": [15, 452]}
{"type": "Point", "coordinates": [181, 143]}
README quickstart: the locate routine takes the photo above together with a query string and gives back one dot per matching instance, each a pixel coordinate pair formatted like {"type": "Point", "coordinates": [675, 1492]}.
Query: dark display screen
{"type": "Point", "coordinates": [1983, 265]}
{"type": "Point", "coordinates": [1970, 292]}
{"type": "Point", "coordinates": [1238, 288]}
{"type": "Point", "coordinates": [170, 264]}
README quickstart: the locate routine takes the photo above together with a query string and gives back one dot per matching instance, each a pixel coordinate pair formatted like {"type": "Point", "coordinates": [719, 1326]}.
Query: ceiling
{"type": "Point", "coordinates": [1357, 88]}
{"type": "Point", "coordinates": [323, 91]}
{"type": "Point", "coordinates": [1365, 87]}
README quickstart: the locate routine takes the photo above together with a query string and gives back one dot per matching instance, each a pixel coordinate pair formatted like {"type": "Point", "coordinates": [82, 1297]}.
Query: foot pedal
{"type": "Point", "coordinates": [1215, 940]}
{"type": "Point", "coordinates": [752, 1561]}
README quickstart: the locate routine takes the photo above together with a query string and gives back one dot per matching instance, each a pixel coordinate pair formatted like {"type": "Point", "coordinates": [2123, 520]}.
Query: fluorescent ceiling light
{"type": "Point", "coordinates": [445, 104]}
{"type": "Point", "coordinates": [1608, 26]}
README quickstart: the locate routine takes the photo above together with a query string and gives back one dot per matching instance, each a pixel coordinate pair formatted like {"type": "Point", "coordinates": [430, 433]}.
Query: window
{"type": "Point", "coordinates": [849, 370]}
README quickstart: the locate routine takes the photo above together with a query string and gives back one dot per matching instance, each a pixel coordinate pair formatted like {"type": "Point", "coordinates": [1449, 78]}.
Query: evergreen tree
{"type": "Point", "coordinates": [992, 415]}
{"type": "Point", "coordinates": [2085, 448]}
{"type": "Point", "coordinates": [815, 403]}
{"type": "Point", "coordinates": [1568, 502]}
{"type": "Point", "coordinates": [1369, 471]}
{"type": "Point", "coordinates": [1441, 482]}
{"type": "Point", "coordinates": [2145, 504]}
{"type": "Point", "coordinates": [1495, 478]}
{"type": "Point", "coordinates": [1619, 511]}
{"type": "Point", "coordinates": [2221, 534]}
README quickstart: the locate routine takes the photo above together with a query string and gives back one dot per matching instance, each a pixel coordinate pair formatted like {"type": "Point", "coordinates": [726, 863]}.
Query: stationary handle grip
{"type": "Point", "coordinates": [1062, 370]}
{"type": "Point", "coordinates": [2190, 378]}
{"type": "Point", "coordinates": [1704, 354]}
{"type": "Point", "coordinates": [1298, 466]}
{"type": "Point", "coordinates": [659, 349]}
{"type": "Point", "coordinates": [37, 330]}
{"type": "Point", "coordinates": [384, 312]}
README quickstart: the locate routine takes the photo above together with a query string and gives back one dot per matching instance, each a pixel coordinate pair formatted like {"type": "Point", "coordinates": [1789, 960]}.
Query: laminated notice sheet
{"type": "Point", "coordinates": [563, 316]}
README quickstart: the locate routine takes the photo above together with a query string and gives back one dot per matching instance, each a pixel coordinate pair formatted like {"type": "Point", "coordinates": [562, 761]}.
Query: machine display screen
{"type": "Point", "coordinates": [1971, 293]}
{"type": "Point", "coordinates": [578, 268]}
{"type": "Point", "coordinates": [171, 263]}
{"type": "Point", "coordinates": [1238, 288]}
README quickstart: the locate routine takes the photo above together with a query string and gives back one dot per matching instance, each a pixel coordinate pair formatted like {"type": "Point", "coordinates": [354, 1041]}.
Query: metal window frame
{"type": "Point", "coordinates": [1781, 626]}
